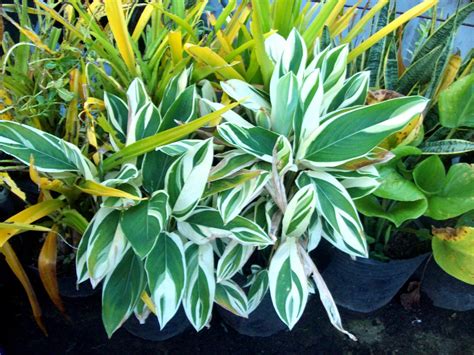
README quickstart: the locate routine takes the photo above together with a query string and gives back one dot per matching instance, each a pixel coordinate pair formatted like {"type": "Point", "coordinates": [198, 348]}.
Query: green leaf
{"type": "Point", "coordinates": [299, 211]}
{"type": "Point", "coordinates": [456, 104]}
{"type": "Point", "coordinates": [453, 250]}
{"type": "Point", "coordinates": [258, 289]}
{"type": "Point", "coordinates": [233, 259]}
{"type": "Point", "coordinates": [182, 110]}
{"type": "Point", "coordinates": [52, 155]}
{"type": "Point", "coordinates": [231, 297]}
{"type": "Point", "coordinates": [256, 141]}
{"type": "Point", "coordinates": [232, 182]}
{"type": "Point", "coordinates": [232, 162]}
{"type": "Point", "coordinates": [174, 89]}
{"type": "Point", "coordinates": [457, 195]}
{"type": "Point", "coordinates": [353, 92]}
{"type": "Point", "coordinates": [155, 165]}
{"type": "Point", "coordinates": [288, 283]}
{"type": "Point", "coordinates": [166, 273]}
{"type": "Point", "coordinates": [360, 182]}
{"type": "Point", "coordinates": [187, 177]}
{"type": "Point", "coordinates": [430, 175]}
{"type": "Point", "coordinates": [252, 98]}
{"type": "Point", "coordinates": [200, 284]}
{"type": "Point", "coordinates": [122, 290]}
{"type": "Point", "coordinates": [143, 223]}
{"type": "Point", "coordinates": [117, 115]}
{"type": "Point", "coordinates": [206, 223]}
{"type": "Point", "coordinates": [353, 134]}
{"type": "Point", "coordinates": [285, 101]}
{"type": "Point", "coordinates": [376, 52]}
{"type": "Point", "coordinates": [447, 146]}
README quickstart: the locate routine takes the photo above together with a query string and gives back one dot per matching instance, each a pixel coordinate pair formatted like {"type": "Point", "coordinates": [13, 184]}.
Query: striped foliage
{"type": "Point", "coordinates": [341, 223]}
{"type": "Point", "coordinates": [142, 224]}
{"type": "Point", "coordinates": [299, 211]}
{"type": "Point", "coordinates": [166, 274]}
{"type": "Point", "coordinates": [358, 183]}
{"type": "Point", "coordinates": [205, 224]}
{"type": "Point", "coordinates": [232, 298]}
{"type": "Point", "coordinates": [253, 99]}
{"type": "Point", "coordinates": [258, 287]}
{"type": "Point", "coordinates": [186, 179]}
{"type": "Point", "coordinates": [233, 258]}
{"type": "Point", "coordinates": [200, 284]}
{"type": "Point", "coordinates": [232, 162]}
{"type": "Point", "coordinates": [52, 155]}
{"type": "Point", "coordinates": [288, 283]}
{"type": "Point", "coordinates": [117, 115]}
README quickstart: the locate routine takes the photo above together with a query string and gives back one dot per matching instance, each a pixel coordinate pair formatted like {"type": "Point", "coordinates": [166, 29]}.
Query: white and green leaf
{"type": "Point", "coordinates": [299, 211]}
{"type": "Point", "coordinates": [232, 260]}
{"type": "Point", "coordinates": [232, 298]}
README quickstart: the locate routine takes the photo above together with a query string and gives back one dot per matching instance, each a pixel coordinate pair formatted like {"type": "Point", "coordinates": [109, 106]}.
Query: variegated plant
{"type": "Point", "coordinates": [315, 144]}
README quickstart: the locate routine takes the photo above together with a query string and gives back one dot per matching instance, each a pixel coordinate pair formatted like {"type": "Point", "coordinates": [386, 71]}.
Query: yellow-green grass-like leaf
{"type": "Point", "coordinates": [453, 250]}
{"type": "Point", "coordinates": [166, 273]}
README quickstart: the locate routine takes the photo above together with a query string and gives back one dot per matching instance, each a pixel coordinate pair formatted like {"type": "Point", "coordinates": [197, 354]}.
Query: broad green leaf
{"type": "Point", "coordinates": [182, 110]}
{"type": "Point", "coordinates": [121, 293]}
{"type": "Point", "coordinates": [51, 154]}
{"type": "Point", "coordinates": [285, 100]}
{"type": "Point", "coordinates": [299, 211]}
{"type": "Point", "coordinates": [231, 202]}
{"type": "Point", "coordinates": [232, 260]}
{"type": "Point", "coordinates": [456, 104]}
{"type": "Point", "coordinates": [166, 273]}
{"type": "Point", "coordinates": [106, 244]}
{"type": "Point", "coordinates": [353, 134]}
{"type": "Point", "coordinates": [200, 284]}
{"type": "Point", "coordinates": [155, 165]}
{"type": "Point", "coordinates": [288, 283]}
{"type": "Point", "coordinates": [258, 289]}
{"type": "Point", "coordinates": [235, 181]}
{"type": "Point", "coordinates": [256, 141]}
{"type": "Point", "coordinates": [143, 223]}
{"type": "Point", "coordinates": [430, 175]}
{"type": "Point", "coordinates": [231, 297]}
{"type": "Point", "coordinates": [117, 115]}
{"type": "Point", "coordinates": [253, 99]}
{"type": "Point", "coordinates": [447, 146]}
{"type": "Point", "coordinates": [173, 90]}
{"type": "Point", "coordinates": [187, 177]}
{"type": "Point", "coordinates": [232, 162]}
{"type": "Point", "coordinates": [353, 92]}
{"type": "Point", "coordinates": [206, 223]}
{"type": "Point", "coordinates": [453, 250]}
{"type": "Point", "coordinates": [335, 206]}
{"type": "Point", "coordinates": [456, 196]}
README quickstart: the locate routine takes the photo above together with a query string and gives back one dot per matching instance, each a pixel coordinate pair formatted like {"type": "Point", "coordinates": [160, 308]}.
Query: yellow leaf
{"type": "Point", "coordinates": [143, 20]}
{"type": "Point", "coordinates": [343, 22]}
{"type": "Point", "coordinates": [22, 227]}
{"type": "Point", "coordinates": [149, 303]}
{"type": "Point", "coordinates": [94, 188]}
{"type": "Point", "coordinates": [450, 73]}
{"type": "Point", "coordinates": [176, 45]}
{"type": "Point", "coordinates": [6, 179]}
{"type": "Point", "coordinates": [29, 215]}
{"type": "Point", "coordinates": [47, 268]}
{"type": "Point", "coordinates": [116, 18]}
{"type": "Point", "coordinates": [15, 266]}
{"type": "Point", "coordinates": [5, 106]}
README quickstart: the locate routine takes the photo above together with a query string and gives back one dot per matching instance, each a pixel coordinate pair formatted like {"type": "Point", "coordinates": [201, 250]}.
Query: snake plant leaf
{"type": "Point", "coordinates": [456, 196]}
{"type": "Point", "coordinates": [187, 177]}
{"type": "Point", "coordinates": [258, 289]}
{"type": "Point", "coordinates": [142, 224]}
{"type": "Point", "coordinates": [232, 260]}
{"type": "Point", "coordinates": [106, 244]}
{"type": "Point", "coordinates": [166, 274]}
{"type": "Point", "coordinates": [232, 162]}
{"type": "Point", "coordinates": [447, 146]}
{"type": "Point", "coordinates": [353, 92]}
{"type": "Point", "coordinates": [285, 101]}
{"type": "Point", "coordinates": [200, 284]}
{"type": "Point", "coordinates": [117, 115]}
{"type": "Point", "coordinates": [206, 223]}
{"type": "Point", "coordinates": [256, 141]}
{"type": "Point", "coordinates": [52, 155]}
{"type": "Point", "coordinates": [376, 53]}
{"type": "Point", "coordinates": [299, 211]}
{"type": "Point", "coordinates": [354, 133]}
{"type": "Point", "coordinates": [254, 99]}
{"type": "Point", "coordinates": [456, 104]}
{"type": "Point", "coordinates": [453, 250]}
{"type": "Point", "coordinates": [336, 207]}
{"type": "Point", "coordinates": [231, 202]}
{"type": "Point", "coordinates": [288, 283]}
{"type": "Point", "coordinates": [122, 290]}
{"type": "Point", "coordinates": [182, 110]}
{"type": "Point", "coordinates": [430, 175]}
{"type": "Point", "coordinates": [232, 298]}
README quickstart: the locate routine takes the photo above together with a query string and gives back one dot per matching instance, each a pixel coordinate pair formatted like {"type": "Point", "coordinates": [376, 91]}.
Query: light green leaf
{"type": "Point", "coordinates": [430, 175]}
{"type": "Point", "coordinates": [456, 104]}
{"type": "Point", "coordinates": [353, 92]}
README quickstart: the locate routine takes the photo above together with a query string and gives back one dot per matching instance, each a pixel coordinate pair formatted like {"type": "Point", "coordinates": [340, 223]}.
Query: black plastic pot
{"type": "Point", "coordinates": [151, 329]}
{"type": "Point", "coordinates": [68, 288]}
{"type": "Point", "coordinates": [446, 291]}
{"type": "Point", "coordinates": [365, 285]}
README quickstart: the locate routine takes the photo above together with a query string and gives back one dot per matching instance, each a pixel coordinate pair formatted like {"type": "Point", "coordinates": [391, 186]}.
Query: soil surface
{"type": "Point", "coordinates": [392, 329]}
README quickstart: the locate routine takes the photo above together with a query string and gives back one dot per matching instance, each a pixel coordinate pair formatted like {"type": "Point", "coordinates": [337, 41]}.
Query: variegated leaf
{"type": "Point", "coordinates": [353, 92]}
{"type": "Point", "coordinates": [254, 99]}
{"type": "Point", "coordinates": [358, 183]}
{"type": "Point", "coordinates": [353, 134]}
{"type": "Point", "coordinates": [122, 290]}
{"type": "Point", "coordinates": [283, 154]}
{"type": "Point", "coordinates": [155, 165]}
{"type": "Point", "coordinates": [258, 289]}
{"type": "Point", "coordinates": [233, 259]}
{"type": "Point", "coordinates": [288, 282]}
{"type": "Point", "coordinates": [231, 202]}
{"type": "Point", "coordinates": [232, 162]}
{"type": "Point", "coordinates": [183, 109]}
{"type": "Point", "coordinates": [200, 284]}
{"type": "Point", "coordinates": [315, 232]}
{"type": "Point", "coordinates": [341, 223]}
{"type": "Point", "coordinates": [117, 115]}
{"type": "Point", "coordinates": [174, 89]}
{"type": "Point", "coordinates": [285, 103]}
{"type": "Point", "coordinates": [256, 141]}
{"type": "Point", "coordinates": [187, 177]}
{"type": "Point", "coordinates": [206, 224]}
{"type": "Point", "coordinates": [231, 297]}
{"type": "Point", "coordinates": [143, 223]}
{"type": "Point", "coordinates": [299, 211]}
{"type": "Point", "coordinates": [229, 116]}
{"type": "Point", "coordinates": [166, 273]}
{"type": "Point", "coordinates": [178, 148]}
{"type": "Point", "coordinates": [52, 155]}
{"type": "Point", "coordinates": [106, 245]}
